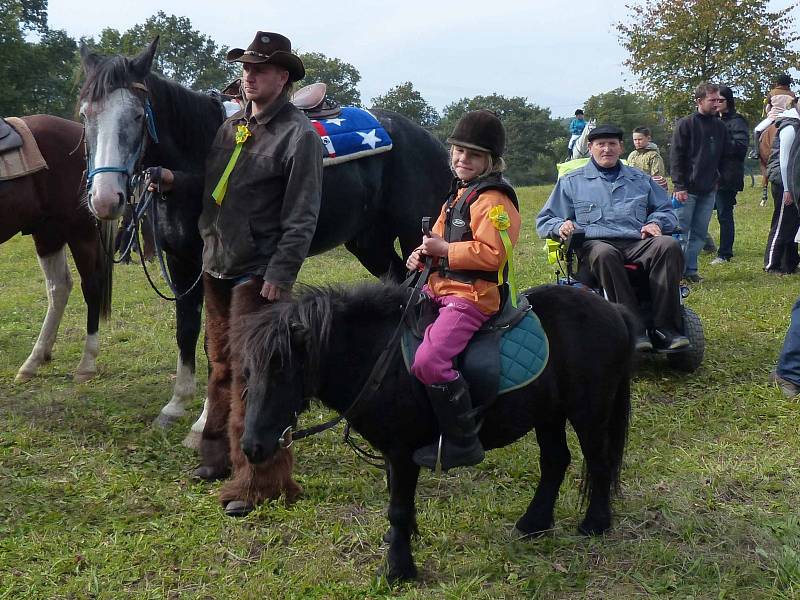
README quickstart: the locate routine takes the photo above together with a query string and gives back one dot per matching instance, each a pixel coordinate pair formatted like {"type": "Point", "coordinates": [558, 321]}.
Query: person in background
{"type": "Point", "coordinates": [696, 157]}
{"type": "Point", "coordinates": [646, 156]}
{"type": "Point", "coordinates": [576, 127]}
{"type": "Point", "coordinates": [627, 218]}
{"type": "Point", "coordinates": [731, 175]}
{"type": "Point", "coordinates": [781, 256]}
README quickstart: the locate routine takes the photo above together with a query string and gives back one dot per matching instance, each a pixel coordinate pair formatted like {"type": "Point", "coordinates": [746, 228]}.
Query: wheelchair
{"type": "Point", "coordinates": [564, 255]}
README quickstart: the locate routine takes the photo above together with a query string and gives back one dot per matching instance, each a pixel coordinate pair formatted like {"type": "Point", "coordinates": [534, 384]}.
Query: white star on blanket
{"type": "Point", "coordinates": [337, 121]}
{"type": "Point", "coordinates": [370, 139]}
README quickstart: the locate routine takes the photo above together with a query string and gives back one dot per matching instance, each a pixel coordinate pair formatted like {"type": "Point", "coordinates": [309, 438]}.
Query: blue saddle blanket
{"type": "Point", "coordinates": [353, 133]}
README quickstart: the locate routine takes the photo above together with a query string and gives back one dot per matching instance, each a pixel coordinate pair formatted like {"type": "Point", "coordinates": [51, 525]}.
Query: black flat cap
{"type": "Point", "coordinates": [605, 131]}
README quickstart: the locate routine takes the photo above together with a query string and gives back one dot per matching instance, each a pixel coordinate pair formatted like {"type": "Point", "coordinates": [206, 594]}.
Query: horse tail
{"type": "Point", "coordinates": [619, 420]}
{"type": "Point", "coordinates": [105, 266]}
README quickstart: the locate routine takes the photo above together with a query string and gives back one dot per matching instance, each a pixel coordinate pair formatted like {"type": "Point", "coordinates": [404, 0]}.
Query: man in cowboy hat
{"type": "Point", "coordinates": [624, 215]}
{"type": "Point", "coordinates": [263, 185]}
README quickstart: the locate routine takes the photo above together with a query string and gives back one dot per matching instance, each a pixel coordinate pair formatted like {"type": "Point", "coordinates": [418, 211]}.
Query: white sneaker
{"type": "Point", "coordinates": [720, 261]}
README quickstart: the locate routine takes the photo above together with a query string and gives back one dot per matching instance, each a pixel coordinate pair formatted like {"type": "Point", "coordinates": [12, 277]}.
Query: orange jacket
{"type": "Point", "coordinates": [485, 252]}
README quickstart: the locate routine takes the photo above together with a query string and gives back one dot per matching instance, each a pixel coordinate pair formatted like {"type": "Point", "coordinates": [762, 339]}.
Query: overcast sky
{"type": "Point", "coordinates": [556, 54]}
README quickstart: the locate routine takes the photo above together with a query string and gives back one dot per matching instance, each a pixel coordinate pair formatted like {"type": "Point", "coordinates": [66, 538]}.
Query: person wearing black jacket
{"type": "Point", "coordinates": [696, 156]}
{"type": "Point", "coordinates": [731, 175]}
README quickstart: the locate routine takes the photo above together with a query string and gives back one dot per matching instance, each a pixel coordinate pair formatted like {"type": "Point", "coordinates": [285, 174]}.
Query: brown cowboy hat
{"type": "Point", "coordinates": [233, 89]}
{"type": "Point", "coordinates": [273, 48]}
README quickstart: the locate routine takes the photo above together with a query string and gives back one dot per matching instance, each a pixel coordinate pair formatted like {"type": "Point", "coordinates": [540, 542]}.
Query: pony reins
{"type": "Point", "coordinates": [381, 366]}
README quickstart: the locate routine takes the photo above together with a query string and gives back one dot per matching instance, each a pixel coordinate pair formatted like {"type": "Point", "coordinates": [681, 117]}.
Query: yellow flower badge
{"type": "Point", "coordinates": [241, 136]}
{"type": "Point", "coordinates": [499, 218]}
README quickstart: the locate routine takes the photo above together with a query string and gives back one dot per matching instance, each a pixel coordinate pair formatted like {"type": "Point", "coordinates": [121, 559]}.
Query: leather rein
{"type": "Point", "coordinates": [376, 375]}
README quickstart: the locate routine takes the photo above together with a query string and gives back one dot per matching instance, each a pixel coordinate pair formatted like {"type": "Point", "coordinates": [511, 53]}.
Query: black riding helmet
{"type": "Point", "coordinates": [480, 130]}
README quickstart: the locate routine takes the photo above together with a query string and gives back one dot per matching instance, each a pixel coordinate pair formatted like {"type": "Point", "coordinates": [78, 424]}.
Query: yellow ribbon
{"type": "Point", "coordinates": [242, 133]}
{"type": "Point", "coordinates": [499, 218]}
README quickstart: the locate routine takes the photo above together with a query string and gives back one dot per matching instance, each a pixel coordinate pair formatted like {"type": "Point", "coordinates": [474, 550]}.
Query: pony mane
{"type": "Point", "coordinates": [266, 336]}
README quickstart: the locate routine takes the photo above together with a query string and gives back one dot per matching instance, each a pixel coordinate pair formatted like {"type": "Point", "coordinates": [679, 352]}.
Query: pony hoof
{"type": "Point", "coordinates": [588, 528]}
{"type": "Point", "coordinates": [238, 508]}
{"type": "Point", "coordinates": [24, 377]}
{"type": "Point", "coordinates": [206, 473]}
{"type": "Point", "coordinates": [83, 376]}
{"type": "Point", "coordinates": [163, 421]}
{"type": "Point", "coordinates": [192, 440]}
{"type": "Point", "coordinates": [397, 574]}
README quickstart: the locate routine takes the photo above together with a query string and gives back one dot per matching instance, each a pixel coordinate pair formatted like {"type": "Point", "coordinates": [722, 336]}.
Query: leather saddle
{"type": "Point", "coordinates": [9, 138]}
{"type": "Point", "coordinates": [480, 361]}
{"type": "Point", "coordinates": [312, 100]}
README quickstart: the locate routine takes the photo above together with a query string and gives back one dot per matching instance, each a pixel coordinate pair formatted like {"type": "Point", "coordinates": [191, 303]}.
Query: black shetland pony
{"type": "Point", "coordinates": [367, 204]}
{"type": "Point", "coordinates": [325, 343]}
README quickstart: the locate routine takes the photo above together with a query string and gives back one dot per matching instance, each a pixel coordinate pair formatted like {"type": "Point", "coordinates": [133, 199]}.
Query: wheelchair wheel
{"type": "Point", "coordinates": [690, 359]}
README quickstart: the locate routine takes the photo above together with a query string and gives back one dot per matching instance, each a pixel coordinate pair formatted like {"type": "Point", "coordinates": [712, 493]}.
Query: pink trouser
{"type": "Point", "coordinates": [445, 339]}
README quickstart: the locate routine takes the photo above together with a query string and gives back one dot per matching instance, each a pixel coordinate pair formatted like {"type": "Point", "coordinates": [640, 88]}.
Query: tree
{"type": "Point", "coordinates": [184, 54]}
{"type": "Point", "coordinates": [340, 77]}
{"type": "Point", "coordinates": [627, 110]}
{"type": "Point", "coordinates": [677, 44]}
{"type": "Point", "coordinates": [407, 101]}
{"type": "Point", "coordinates": [530, 132]}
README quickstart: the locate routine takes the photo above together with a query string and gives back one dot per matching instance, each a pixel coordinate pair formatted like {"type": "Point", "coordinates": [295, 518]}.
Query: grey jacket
{"type": "Point", "coordinates": [269, 213]}
{"type": "Point", "coordinates": [615, 210]}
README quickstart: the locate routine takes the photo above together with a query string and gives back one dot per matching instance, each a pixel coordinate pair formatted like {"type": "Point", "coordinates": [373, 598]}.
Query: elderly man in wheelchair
{"type": "Point", "coordinates": [627, 220]}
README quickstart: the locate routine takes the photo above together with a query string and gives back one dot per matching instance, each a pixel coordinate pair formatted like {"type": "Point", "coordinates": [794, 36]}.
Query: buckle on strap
{"type": "Point", "coordinates": [286, 441]}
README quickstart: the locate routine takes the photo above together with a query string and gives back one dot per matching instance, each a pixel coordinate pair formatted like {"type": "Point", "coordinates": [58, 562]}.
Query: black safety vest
{"type": "Point", "coordinates": [457, 223]}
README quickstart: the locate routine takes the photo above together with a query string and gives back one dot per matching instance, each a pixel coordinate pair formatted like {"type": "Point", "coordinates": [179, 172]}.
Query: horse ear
{"type": "Point", "coordinates": [89, 59]}
{"type": "Point", "coordinates": [144, 61]}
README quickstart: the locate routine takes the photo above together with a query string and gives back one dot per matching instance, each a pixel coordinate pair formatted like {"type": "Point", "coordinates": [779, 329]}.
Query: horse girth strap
{"type": "Point", "coordinates": [381, 365]}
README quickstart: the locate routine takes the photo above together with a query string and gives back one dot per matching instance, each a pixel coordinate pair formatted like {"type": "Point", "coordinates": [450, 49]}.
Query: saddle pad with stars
{"type": "Point", "coordinates": [353, 133]}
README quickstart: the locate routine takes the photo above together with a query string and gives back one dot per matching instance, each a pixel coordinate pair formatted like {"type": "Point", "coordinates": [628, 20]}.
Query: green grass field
{"type": "Point", "coordinates": [95, 504]}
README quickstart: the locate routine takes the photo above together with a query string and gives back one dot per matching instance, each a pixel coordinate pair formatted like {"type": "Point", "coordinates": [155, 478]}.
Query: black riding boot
{"type": "Point", "coordinates": [460, 446]}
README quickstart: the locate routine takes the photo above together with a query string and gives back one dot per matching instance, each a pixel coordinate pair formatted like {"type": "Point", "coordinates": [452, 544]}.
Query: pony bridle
{"type": "Point", "coordinates": [149, 130]}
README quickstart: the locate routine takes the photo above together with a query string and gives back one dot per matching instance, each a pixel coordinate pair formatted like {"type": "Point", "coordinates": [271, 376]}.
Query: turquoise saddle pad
{"type": "Point", "coordinates": [524, 351]}
{"type": "Point", "coordinates": [523, 354]}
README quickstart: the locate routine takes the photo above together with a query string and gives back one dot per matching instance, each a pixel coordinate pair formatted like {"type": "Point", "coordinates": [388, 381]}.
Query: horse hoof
{"type": "Point", "coordinates": [398, 574]}
{"type": "Point", "coordinates": [207, 473]}
{"type": "Point", "coordinates": [238, 508]}
{"type": "Point", "coordinates": [83, 376]}
{"type": "Point", "coordinates": [163, 421]}
{"type": "Point", "coordinates": [192, 440]}
{"type": "Point", "coordinates": [24, 377]}
{"type": "Point", "coordinates": [590, 529]}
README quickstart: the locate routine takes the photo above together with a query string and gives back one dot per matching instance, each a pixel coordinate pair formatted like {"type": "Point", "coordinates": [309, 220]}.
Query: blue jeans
{"type": "Point", "coordinates": [789, 360]}
{"type": "Point", "coordinates": [693, 218]}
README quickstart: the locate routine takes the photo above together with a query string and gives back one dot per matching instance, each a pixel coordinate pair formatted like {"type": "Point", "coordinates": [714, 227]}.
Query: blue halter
{"type": "Point", "coordinates": [131, 166]}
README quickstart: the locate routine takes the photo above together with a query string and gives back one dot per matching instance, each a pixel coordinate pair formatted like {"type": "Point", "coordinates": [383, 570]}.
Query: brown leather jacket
{"type": "Point", "coordinates": [269, 213]}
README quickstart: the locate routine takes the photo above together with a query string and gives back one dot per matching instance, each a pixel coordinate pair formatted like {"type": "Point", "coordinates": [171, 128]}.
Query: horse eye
{"type": "Point", "coordinates": [246, 372]}
{"type": "Point", "coordinates": [138, 117]}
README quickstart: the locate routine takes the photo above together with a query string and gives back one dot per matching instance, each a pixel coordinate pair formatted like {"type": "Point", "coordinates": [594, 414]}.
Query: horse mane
{"type": "Point", "coordinates": [176, 107]}
{"type": "Point", "coordinates": [266, 336]}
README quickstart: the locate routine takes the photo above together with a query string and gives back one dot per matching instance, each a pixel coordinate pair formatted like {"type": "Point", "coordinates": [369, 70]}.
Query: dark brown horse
{"type": "Point", "coordinates": [51, 206]}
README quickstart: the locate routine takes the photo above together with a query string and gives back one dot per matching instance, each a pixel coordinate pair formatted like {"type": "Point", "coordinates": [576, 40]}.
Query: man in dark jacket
{"type": "Point", "coordinates": [697, 151]}
{"type": "Point", "coordinates": [263, 186]}
{"type": "Point", "coordinates": [731, 175]}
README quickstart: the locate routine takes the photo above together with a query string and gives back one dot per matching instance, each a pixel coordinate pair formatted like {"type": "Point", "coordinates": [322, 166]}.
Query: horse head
{"type": "Point", "coordinates": [581, 147]}
{"type": "Point", "coordinates": [114, 107]}
{"type": "Point", "coordinates": [274, 358]}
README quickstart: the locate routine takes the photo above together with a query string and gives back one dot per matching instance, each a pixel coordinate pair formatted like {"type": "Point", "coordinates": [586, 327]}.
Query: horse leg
{"type": "Point", "coordinates": [404, 474]}
{"type": "Point", "coordinates": [188, 311]}
{"type": "Point", "coordinates": [59, 285]}
{"type": "Point", "coordinates": [379, 257]}
{"type": "Point", "coordinates": [598, 477]}
{"type": "Point", "coordinates": [554, 458]}
{"type": "Point", "coordinates": [84, 252]}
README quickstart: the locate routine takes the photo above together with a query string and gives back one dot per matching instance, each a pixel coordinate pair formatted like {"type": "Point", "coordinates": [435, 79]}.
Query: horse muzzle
{"type": "Point", "coordinates": [261, 449]}
{"type": "Point", "coordinates": [106, 200]}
